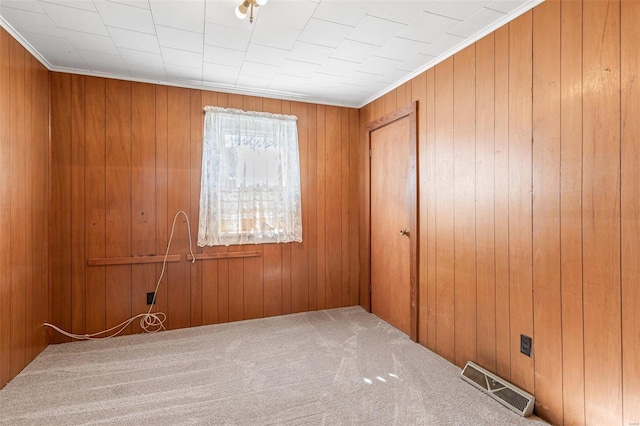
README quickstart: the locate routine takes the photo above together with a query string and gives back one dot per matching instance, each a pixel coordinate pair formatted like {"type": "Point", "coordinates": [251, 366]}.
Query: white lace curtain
{"type": "Point", "coordinates": [250, 192]}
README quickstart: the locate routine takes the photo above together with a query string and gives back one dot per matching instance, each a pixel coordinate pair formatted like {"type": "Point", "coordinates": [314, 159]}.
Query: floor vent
{"type": "Point", "coordinates": [499, 389]}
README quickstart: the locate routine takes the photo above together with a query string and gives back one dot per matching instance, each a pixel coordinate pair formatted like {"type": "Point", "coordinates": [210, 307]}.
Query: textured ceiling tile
{"type": "Point", "coordinates": [78, 4]}
{"type": "Point", "coordinates": [297, 68]}
{"type": "Point", "coordinates": [126, 17]}
{"type": "Point", "coordinates": [252, 69]}
{"type": "Point", "coordinates": [276, 36]}
{"type": "Point", "coordinates": [265, 55]}
{"type": "Point", "coordinates": [147, 72]}
{"type": "Point", "coordinates": [404, 12]}
{"type": "Point", "coordinates": [337, 51]}
{"type": "Point", "coordinates": [181, 57]}
{"type": "Point", "coordinates": [185, 15]}
{"type": "Point", "coordinates": [400, 49]}
{"type": "Point", "coordinates": [92, 42]}
{"type": "Point", "coordinates": [307, 52]}
{"type": "Point", "coordinates": [293, 14]}
{"type": "Point", "coordinates": [143, 4]}
{"type": "Point", "coordinates": [217, 72]}
{"type": "Point", "coordinates": [142, 59]}
{"type": "Point", "coordinates": [343, 12]}
{"type": "Point", "coordinates": [134, 40]}
{"type": "Point", "coordinates": [28, 5]}
{"type": "Point", "coordinates": [227, 37]}
{"type": "Point", "coordinates": [35, 23]}
{"type": "Point", "coordinates": [428, 27]}
{"type": "Point", "coordinates": [222, 56]}
{"type": "Point", "coordinates": [184, 74]}
{"type": "Point", "coordinates": [376, 31]}
{"type": "Point", "coordinates": [416, 62]}
{"type": "Point", "coordinates": [180, 39]}
{"type": "Point", "coordinates": [57, 50]}
{"type": "Point", "coordinates": [442, 44]}
{"type": "Point", "coordinates": [459, 9]}
{"type": "Point", "coordinates": [354, 51]}
{"type": "Point", "coordinates": [338, 67]}
{"type": "Point", "coordinates": [506, 6]}
{"type": "Point", "coordinates": [100, 62]}
{"type": "Point", "coordinates": [324, 33]}
{"type": "Point", "coordinates": [476, 23]}
{"type": "Point", "coordinates": [378, 65]}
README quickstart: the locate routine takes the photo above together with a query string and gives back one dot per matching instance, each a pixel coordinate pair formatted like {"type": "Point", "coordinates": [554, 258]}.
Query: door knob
{"type": "Point", "coordinates": [404, 232]}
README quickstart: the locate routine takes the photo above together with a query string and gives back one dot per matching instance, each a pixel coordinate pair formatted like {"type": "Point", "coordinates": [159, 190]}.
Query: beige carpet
{"type": "Point", "coordinates": [340, 366]}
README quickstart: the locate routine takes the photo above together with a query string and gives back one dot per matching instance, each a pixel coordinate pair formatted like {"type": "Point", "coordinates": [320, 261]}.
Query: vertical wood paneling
{"type": "Point", "coordinates": [300, 251]}
{"type": "Point", "coordinates": [601, 212]}
{"type": "Point", "coordinates": [77, 210]}
{"type": "Point", "coordinates": [60, 267]}
{"type": "Point", "coordinates": [28, 181]}
{"type": "Point", "coordinates": [163, 221]}
{"type": "Point", "coordinates": [195, 165]}
{"type": "Point", "coordinates": [520, 239]}
{"type": "Point", "coordinates": [333, 235]}
{"type": "Point", "coordinates": [178, 154]}
{"type": "Point", "coordinates": [321, 204]}
{"type": "Point", "coordinates": [502, 213]}
{"type": "Point", "coordinates": [418, 94]}
{"type": "Point", "coordinates": [5, 212]}
{"type": "Point", "coordinates": [546, 210]}
{"type": "Point", "coordinates": [146, 140]}
{"type": "Point", "coordinates": [345, 212]}
{"type": "Point", "coordinates": [430, 207]}
{"type": "Point", "coordinates": [365, 191]}
{"type": "Point", "coordinates": [464, 154]}
{"type": "Point", "coordinates": [143, 195]}
{"type": "Point", "coordinates": [223, 265]}
{"type": "Point", "coordinates": [118, 200]}
{"type": "Point", "coordinates": [272, 252]}
{"type": "Point", "coordinates": [485, 202]}
{"type": "Point", "coordinates": [444, 229]}
{"type": "Point", "coordinates": [312, 229]}
{"type": "Point", "coordinates": [24, 225]}
{"type": "Point", "coordinates": [354, 206]}
{"type": "Point", "coordinates": [95, 199]}
{"type": "Point", "coordinates": [570, 212]}
{"type": "Point", "coordinates": [40, 166]}
{"type": "Point", "coordinates": [19, 273]}
{"type": "Point", "coordinates": [555, 206]}
{"type": "Point", "coordinates": [630, 214]}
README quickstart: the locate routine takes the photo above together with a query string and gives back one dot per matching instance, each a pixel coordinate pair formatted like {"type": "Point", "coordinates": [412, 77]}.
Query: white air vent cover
{"type": "Point", "coordinates": [502, 391]}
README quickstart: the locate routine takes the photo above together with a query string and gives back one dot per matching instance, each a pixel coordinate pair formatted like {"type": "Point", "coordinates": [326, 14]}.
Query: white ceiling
{"type": "Point", "coordinates": [339, 52]}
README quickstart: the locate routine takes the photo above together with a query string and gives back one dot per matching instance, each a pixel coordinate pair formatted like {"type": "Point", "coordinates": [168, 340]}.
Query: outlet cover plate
{"type": "Point", "coordinates": [526, 344]}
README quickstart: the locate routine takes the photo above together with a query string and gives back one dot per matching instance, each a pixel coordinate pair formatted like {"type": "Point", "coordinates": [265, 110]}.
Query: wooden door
{"type": "Point", "coordinates": [392, 199]}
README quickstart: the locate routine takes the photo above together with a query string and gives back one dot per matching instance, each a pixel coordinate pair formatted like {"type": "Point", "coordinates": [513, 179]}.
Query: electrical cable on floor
{"type": "Point", "coordinates": [149, 322]}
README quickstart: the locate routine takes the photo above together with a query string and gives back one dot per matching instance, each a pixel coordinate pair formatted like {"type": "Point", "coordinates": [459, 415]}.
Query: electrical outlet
{"type": "Point", "coordinates": [151, 298]}
{"type": "Point", "coordinates": [526, 344]}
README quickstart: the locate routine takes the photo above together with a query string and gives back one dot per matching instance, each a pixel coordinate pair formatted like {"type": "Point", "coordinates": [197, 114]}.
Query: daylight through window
{"type": "Point", "coordinates": [250, 191]}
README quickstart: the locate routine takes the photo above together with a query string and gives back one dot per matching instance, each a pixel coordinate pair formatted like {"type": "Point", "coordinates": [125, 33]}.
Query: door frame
{"type": "Point", "coordinates": [410, 111]}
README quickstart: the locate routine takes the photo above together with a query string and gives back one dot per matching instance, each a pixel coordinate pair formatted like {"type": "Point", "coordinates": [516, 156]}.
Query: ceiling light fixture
{"type": "Point", "coordinates": [247, 6]}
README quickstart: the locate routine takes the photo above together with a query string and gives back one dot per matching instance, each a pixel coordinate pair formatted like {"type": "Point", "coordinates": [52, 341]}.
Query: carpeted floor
{"type": "Point", "coordinates": [340, 366]}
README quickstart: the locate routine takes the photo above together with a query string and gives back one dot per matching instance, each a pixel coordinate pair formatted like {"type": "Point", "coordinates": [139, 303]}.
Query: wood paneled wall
{"type": "Point", "coordinates": [24, 136]}
{"type": "Point", "coordinates": [530, 207]}
{"type": "Point", "coordinates": [126, 157]}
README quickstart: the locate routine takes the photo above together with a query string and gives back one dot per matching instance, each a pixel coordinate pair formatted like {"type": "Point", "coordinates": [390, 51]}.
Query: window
{"type": "Point", "coordinates": [250, 190]}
